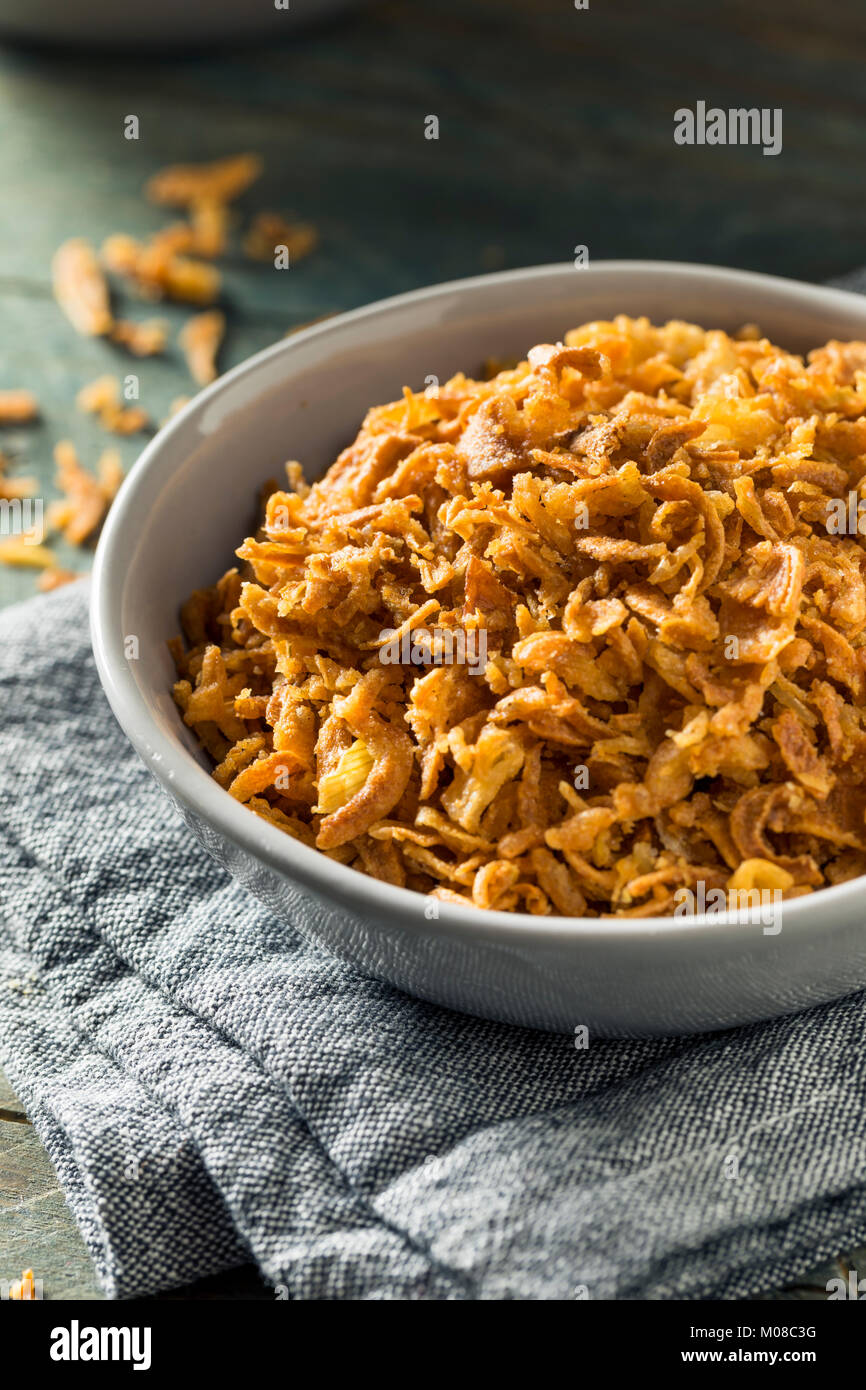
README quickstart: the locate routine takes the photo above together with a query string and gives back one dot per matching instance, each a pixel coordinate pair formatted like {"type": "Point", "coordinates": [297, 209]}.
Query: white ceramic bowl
{"type": "Point", "coordinates": [191, 498]}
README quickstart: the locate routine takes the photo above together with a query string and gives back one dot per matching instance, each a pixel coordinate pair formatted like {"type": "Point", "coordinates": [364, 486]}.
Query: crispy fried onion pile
{"type": "Point", "coordinates": [638, 522]}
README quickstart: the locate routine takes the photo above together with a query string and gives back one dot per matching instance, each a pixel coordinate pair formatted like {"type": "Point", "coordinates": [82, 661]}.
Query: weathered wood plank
{"type": "Point", "coordinates": [37, 1230]}
{"type": "Point", "coordinates": [10, 1106]}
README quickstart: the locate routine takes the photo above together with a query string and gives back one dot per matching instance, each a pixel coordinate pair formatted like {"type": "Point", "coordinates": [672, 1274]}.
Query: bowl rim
{"type": "Point", "coordinates": [189, 783]}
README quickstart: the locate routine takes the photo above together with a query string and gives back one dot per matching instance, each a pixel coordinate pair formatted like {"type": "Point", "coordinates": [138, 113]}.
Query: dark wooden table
{"type": "Point", "coordinates": [555, 129]}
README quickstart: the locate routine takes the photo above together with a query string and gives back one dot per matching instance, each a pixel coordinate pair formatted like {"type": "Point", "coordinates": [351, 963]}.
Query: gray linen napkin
{"type": "Point", "coordinates": [213, 1090]}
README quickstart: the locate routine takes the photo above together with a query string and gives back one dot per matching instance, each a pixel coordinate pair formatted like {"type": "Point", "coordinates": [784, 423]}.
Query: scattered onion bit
{"type": "Point", "coordinates": [144, 339]}
{"type": "Point", "coordinates": [18, 408]}
{"type": "Point", "coordinates": [269, 230]}
{"type": "Point", "coordinates": [102, 398]}
{"type": "Point", "coordinates": [81, 289]}
{"type": "Point", "coordinates": [200, 338]}
{"type": "Point", "coordinates": [23, 1288]}
{"type": "Point", "coordinates": [54, 578]}
{"type": "Point", "coordinates": [18, 552]}
{"type": "Point", "coordinates": [223, 180]}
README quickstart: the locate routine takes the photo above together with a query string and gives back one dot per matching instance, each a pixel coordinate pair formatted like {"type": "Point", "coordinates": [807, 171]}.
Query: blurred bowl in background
{"type": "Point", "coordinates": [158, 23]}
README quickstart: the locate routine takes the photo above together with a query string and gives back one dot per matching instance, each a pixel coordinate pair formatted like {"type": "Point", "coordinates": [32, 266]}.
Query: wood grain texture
{"type": "Point", "coordinates": [10, 1106]}
{"type": "Point", "coordinates": [38, 1232]}
{"type": "Point", "coordinates": [36, 1227]}
{"type": "Point", "coordinates": [556, 129]}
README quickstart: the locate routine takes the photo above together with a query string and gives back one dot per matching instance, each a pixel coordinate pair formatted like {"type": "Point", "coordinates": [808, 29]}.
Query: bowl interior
{"type": "Point", "coordinates": [191, 498]}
